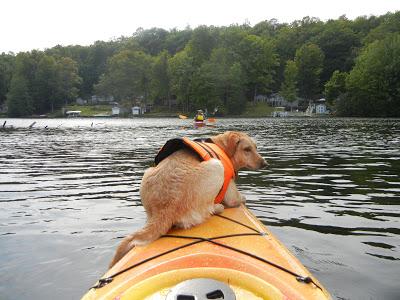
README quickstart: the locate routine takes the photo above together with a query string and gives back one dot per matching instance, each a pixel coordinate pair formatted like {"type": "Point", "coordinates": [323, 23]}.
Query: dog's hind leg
{"type": "Point", "coordinates": [149, 233]}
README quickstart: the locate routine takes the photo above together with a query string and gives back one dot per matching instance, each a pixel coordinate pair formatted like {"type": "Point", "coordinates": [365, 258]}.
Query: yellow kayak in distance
{"type": "Point", "coordinates": [230, 256]}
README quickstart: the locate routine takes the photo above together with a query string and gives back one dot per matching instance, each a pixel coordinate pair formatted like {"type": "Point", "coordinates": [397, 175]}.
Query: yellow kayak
{"type": "Point", "coordinates": [231, 256]}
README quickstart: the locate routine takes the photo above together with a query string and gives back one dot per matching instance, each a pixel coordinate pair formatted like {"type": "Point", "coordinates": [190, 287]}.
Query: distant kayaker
{"type": "Point", "coordinates": [200, 117]}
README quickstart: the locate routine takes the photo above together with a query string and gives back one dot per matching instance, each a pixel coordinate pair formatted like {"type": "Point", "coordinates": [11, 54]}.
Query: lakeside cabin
{"type": "Point", "coordinates": [115, 111]}
{"type": "Point", "coordinates": [317, 107]}
{"type": "Point", "coordinates": [73, 113]}
{"type": "Point", "coordinates": [137, 110]}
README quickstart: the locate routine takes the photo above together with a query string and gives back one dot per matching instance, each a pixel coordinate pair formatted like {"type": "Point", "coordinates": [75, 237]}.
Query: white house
{"type": "Point", "coordinates": [136, 110]}
{"type": "Point", "coordinates": [318, 107]}
{"type": "Point", "coordinates": [115, 111]}
{"type": "Point", "coordinates": [99, 99]}
{"type": "Point", "coordinates": [276, 100]}
{"type": "Point", "coordinates": [3, 108]}
{"type": "Point", "coordinates": [81, 101]}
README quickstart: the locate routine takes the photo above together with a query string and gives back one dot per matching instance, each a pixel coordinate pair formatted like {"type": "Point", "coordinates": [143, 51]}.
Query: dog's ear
{"type": "Point", "coordinates": [228, 141]}
{"type": "Point", "coordinates": [233, 141]}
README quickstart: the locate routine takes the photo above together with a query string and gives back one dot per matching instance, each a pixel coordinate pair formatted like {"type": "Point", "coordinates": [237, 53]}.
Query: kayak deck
{"type": "Point", "coordinates": [234, 248]}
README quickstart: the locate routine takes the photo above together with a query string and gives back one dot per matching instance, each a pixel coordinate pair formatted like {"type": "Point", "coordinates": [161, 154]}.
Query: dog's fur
{"type": "Point", "coordinates": [181, 189]}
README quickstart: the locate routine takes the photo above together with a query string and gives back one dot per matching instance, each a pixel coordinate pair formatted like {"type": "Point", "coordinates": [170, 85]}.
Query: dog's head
{"type": "Point", "coordinates": [241, 149]}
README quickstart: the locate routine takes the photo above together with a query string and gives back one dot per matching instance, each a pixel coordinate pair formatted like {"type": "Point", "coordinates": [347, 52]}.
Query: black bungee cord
{"type": "Point", "coordinates": [305, 279]}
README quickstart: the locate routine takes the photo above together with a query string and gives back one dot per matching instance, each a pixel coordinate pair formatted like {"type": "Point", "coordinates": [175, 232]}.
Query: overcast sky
{"type": "Point", "coordinates": [40, 24]}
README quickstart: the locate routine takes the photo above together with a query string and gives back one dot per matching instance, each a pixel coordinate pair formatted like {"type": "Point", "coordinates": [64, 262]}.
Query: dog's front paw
{"type": "Point", "coordinates": [218, 209]}
{"type": "Point", "coordinates": [243, 199]}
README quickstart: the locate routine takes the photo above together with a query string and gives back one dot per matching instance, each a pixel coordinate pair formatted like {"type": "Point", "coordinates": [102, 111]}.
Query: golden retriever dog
{"type": "Point", "coordinates": [181, 189]}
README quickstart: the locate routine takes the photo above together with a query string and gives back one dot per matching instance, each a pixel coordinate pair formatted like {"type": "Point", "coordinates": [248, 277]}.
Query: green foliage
{"type": "Point", "coordinates": [127, 76]}
{"type": "Point", "coordinates": [212, 66]}
{"type": "Point", "coordinates": [266, 29]}
{"type": "Point", "coordinates": [219, 83]}
{"type": "Point", "coordinates": [91, 60]}
{"type": "Point", "coordinates": [336, 86]}
{"type": "Point", "coordinates": [69, 80]}
{"type": "Point", "coordinates": [235, 100]}
{"type": "Point", "coordinates": [289, 86]}
{"type": "Point", "coordinates": [390, 24]}
{"type": "Point", "coordinates": [258, 60]}
{"type": "Point", "coordinates": [181, 70]}
{"type": "Point", "coordinates": [47, 82]}
{"type": "Point", "coordinates": [337, 41]}
{"type": "Point", "coordinates": [201, 44]}
{"type": "Point", "coordinates": [7, 65]}
{"type": "Point", "coordinates": [309, 60]}
{"type": "Point", "coordinates": [177, 40]}
{"type": "Point", "coordinates": [160, 79]}
{"type": "Point", "coordinates": [152, 41]}
{"type": "Point", "coordinates": [19, 101]}
{"type": "Point", "coordinates": [373, 86]}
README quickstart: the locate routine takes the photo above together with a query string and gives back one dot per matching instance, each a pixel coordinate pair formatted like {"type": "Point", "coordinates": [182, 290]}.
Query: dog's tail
{"type": "Point", "coordinates": [149, 233]}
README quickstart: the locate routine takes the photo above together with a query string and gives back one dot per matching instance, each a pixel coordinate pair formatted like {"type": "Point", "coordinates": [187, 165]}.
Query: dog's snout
{"type": "Point", "coordinates": [264, 163]}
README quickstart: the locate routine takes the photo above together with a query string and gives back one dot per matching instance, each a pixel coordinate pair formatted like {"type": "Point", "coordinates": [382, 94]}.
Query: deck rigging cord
{"type": "Point", "coordinates": [305, 279]}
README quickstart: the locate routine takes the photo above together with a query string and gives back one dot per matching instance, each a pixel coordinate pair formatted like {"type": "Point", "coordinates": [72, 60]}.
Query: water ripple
{"type": "Point", "coordinates": [70, 191]}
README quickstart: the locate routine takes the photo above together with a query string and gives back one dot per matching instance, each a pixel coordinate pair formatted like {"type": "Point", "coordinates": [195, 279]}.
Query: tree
{"type": "Point", "coordinates": [152, 41]}
{"type": "Point", "coordinates": [258, 61]}
{"type": "Point", "coordinates": [289, 86]}
{"type": "Point", "coordinates": [309, 60]}
{"type": "Point", "coordinates": [44, 85]}
{"type": "Point", "coordinates": [230, 81]}
{"type": "Point", "coordinates": [336, 86]}
{"type": "Point", "coordinates": [234, 91]}
{"type": "Point", "coordinates": [306, 29]}
{"type": "Point", "coordinates": [362, 25]}
{"type": "Point", "coordinates": [338, 42]}
{"type": "Point", "coordinates": [205, 86]}
{"type": "Point", "coordinates": [390, 24]}
{"type": "Point", "coordinates": [373, 84]}
{"type": "Point", "coordinates": [206, 66]}
{"type": "Point", "coordinates": [19, 97]}
{"type": "Point", "coordinates": [19, 101]}
{"type": "Point", "coordinates": [68, 79]}
{"type": "Point", "coordinates": [181, 71]}
{"type": "Point", "coordinates": [160, 83]}
{"type": "Point", "coordinates": [54, 83]}
{"type": "Point", "coordinates": [267, 28]}
{"type": "Point", "coordinates": [201, 44]}
{"type": "Point", "coordinates": [176, 40]}
{"type": "Point", "coordinates": [127, 76]}
{"type": "Point", "coordinates": [7, 65]}
{"type": "Point", "coordinates": [219, 82]}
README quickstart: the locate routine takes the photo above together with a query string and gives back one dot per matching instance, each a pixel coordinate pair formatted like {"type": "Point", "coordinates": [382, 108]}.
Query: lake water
{"type": "Point", "coordinates": [69, 190]}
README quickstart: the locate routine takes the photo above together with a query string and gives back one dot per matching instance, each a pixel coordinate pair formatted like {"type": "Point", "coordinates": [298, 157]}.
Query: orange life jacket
{"type": "Point", "coordinates": [205, 150]}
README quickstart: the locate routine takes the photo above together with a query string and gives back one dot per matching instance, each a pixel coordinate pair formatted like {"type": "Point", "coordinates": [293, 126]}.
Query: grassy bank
{"type": "Point", "coordinates": [91, 110]}
{"type": "Point", "coordinates": [257, 110]}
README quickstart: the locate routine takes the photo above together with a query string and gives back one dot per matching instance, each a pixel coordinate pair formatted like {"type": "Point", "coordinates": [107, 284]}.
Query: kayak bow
{"type": "Point", "coordinates": [232, 253]}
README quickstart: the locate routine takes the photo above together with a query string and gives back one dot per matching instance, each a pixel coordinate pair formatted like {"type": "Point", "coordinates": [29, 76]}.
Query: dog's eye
{"type": "Point", "coordinates": [247, 149]}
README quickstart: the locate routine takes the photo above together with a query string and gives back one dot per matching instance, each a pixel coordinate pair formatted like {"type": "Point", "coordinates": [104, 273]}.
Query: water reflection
{"type": "Point", "coordinates": [70, 190]}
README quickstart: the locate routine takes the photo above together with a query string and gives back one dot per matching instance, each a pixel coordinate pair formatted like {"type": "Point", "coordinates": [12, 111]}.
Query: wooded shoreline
{"type": "Point", "coordinates": [354, 64]}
